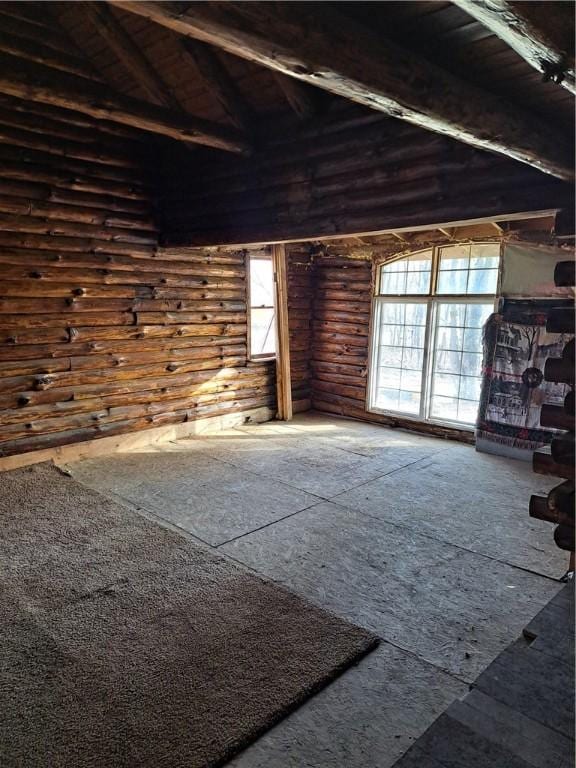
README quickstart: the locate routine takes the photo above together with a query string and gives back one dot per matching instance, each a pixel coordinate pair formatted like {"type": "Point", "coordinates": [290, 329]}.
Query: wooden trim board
{"type": "Point", "coordinates": [134, 441]}
{"type": "Point", "coordinates": [283, 376]}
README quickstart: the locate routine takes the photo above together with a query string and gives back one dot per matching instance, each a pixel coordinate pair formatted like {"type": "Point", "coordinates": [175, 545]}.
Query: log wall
{"type": "Point", "coordinates": [339, 359]}
{"type": "Point", "coordinates": [350, 172]}
{"type": "Point", "coordinates": [343, 287]}
{"type": "Point", "coordinates": [300, 301]}
{"type": "Point", "coordinates": [102, 331]}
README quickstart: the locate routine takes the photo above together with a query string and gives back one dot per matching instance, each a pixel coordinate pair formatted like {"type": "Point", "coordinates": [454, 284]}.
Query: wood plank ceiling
{"type": "Point", "coordinates": [240, 98]}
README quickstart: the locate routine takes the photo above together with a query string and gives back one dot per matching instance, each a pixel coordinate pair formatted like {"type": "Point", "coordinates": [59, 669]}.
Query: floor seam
{"type": "Point", "coordinates": [267, 525]}
{"type": "Point", "coordinates": [317, 495]}
{"type": "Point", "coordinates": [448, 543]}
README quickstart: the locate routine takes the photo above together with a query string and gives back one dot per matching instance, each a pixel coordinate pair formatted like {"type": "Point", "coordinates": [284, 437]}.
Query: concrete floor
{"type": "Point", "coordinates": [424, 541]}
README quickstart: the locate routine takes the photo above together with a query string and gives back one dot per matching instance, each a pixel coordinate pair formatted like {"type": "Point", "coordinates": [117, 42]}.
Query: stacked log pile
{"type": "Point", "coordinates": [300, 266]}
{"type": "Point", "coordinates": [101, 331]}
{"type": "Point", "coordinates": [558, 460]}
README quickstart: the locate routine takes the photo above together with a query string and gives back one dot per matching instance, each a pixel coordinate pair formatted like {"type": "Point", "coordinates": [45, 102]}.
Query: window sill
{"type": "Point", "coordinates": [448, 430]}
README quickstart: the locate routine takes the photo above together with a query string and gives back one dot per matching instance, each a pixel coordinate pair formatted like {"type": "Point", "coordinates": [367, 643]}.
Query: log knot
{"type": "Point", "coordinates": [43, 382]}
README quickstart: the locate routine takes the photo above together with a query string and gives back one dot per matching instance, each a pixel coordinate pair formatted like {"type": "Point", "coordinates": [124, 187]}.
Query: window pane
{"type": "Point", "coordinates": [411, 381]}
{"type": "Point", "coordinates": [454, 257]}
{"type": "Point", "coordinates": [417, 282]}
{"type": "Point", "coordinates": [477, 314]}
{"type": "Point", "coordinates": [412, 359]}
{"type": "Point", "coordinates": [261, 283]}
{"type": "Point", "coordinates": [470, 387]}
{"type": "Point", "coordinates": [483, 281]}
{"type": "Point", "coordinates": [448, 362]}
{"type": "Point", "coordinates": [467, 411]}
{"type": "Point", "coordinates": [410, 275]}
{"type": "Point", "coordinates": [472, 339]}
{"type": "Point", "coordinates": [386, 399]}
{"type": "Point", "coordinates": [389, 377]}
{"type": "Point", "coordinates": [471, 364]}
{"type": "Point", "coordinates": [419, 262]}
{"type": "Point", "coordinates": [456, 371]}
{"type": "Point", "coordinates": [391, 356]}
{"type": "Point", "coordinates": [399, 356]}
{"type": "Point", "coordinates": [415, 314]}
{"type": "Point", "coordinates": [392, 335]}
{"type": "Point", "coordinates": [452, 314]}
{"type": "Point", "coordinates": [452, 282]}
{"type": "Point", "coordinates": [447, 385]}
{"type": "Point", "coordinates": [450, 338]}
{"type": "Point", "coordinates": [393, 282]}
{"type": "Point", "coordinates": [414, 336]}
{"type": "Point", "coordinates": [409, 402]}
{"type": "Point", "coordinates": [262, 332]}
{"type": "Point", "coordinates": [469, 269]}
{"type": "Point", "coordinates": [393, 313]}
{"type": "Point", "coordinates": [445, 408]}
{"type": "Point", "coordinates": [485, 256]}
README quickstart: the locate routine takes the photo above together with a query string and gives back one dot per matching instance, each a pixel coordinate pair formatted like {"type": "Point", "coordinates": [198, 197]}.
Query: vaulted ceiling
{"type": "Point", "coordinates": [194, 90]}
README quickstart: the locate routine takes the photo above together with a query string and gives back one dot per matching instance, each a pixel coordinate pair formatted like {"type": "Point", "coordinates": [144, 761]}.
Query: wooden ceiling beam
{"type": "Point", "coordinates": [102, 18]}
{"type": "Point", "coordinates": [43, 54]}
{"type": "Point", "coordinates": [317, 45]}
{"type": "Point", "coordinates": [220, 84]}
{"type": "Point", "coordinates": [59, 89]}
{"type": "Point", "coordinates": [541, 32]}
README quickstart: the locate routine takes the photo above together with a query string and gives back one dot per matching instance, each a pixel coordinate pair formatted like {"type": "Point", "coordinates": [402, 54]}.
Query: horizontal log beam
{"type": "Point", "coordinates": [18, 78]}
{"type": "Point", "coordinates": [319, 46]}
{"type": "Point", "coordinates": [542, 33]}
{"type": "Point", "coordinates": [44, 54]}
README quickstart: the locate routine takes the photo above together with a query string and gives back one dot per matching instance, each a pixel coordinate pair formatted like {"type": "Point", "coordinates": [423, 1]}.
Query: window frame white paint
{"type": "Point", "coordinates": [432, 300]}
{"type": "Point", "coordinates": [267, 355]}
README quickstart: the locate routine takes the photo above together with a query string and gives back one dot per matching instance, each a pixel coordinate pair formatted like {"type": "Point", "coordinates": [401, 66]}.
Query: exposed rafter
{"type": "Point", "coordinates": [319, 46]}
{"type": "Point", "coordinates": [220, 84]}
{"type": "Point", "coordinates": [45, 55]}
{"type": "Point", "coordinates": [541, 32]}
{"type": "Point", "coordinates": [110, 29]}
{"type": "Point", "coordinates": [298, 95]}
{"type": "Point", "coordinates": [59, 89]}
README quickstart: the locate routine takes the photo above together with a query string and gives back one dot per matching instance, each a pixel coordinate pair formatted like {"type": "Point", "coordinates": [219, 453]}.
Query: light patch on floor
{"type": "Point", "coordinates": [422, 540]}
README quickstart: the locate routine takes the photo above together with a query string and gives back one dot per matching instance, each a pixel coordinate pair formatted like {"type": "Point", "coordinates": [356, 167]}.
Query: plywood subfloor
{"type": "Point", "coordinates": [520, 711]}
{"type": "Point", "coordinates": [423, 541]}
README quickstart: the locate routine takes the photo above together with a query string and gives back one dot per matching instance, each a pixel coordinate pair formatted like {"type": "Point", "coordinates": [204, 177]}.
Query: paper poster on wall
{"type": "Point", "coordinates": [528, 270]}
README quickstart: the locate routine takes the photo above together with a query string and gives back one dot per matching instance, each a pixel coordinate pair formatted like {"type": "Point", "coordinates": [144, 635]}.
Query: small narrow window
{"type": "Point", "coordinates": [262, 316]}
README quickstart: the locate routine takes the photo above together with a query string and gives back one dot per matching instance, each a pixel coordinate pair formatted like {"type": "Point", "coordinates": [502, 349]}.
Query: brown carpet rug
{"type": "Point", "coordinates": [124, 644]}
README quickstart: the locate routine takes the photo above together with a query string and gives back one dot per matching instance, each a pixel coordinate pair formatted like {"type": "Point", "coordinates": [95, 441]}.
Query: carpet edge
{"type": "Point", "coordinates": [372, 642]}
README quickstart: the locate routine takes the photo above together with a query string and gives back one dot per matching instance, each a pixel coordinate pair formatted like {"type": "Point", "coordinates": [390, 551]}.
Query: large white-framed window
{"type": "Point", "coordinates": [261, 307]}
{"type": "Point", "coordinates": [426, 348]}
